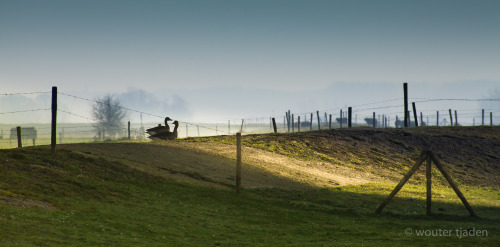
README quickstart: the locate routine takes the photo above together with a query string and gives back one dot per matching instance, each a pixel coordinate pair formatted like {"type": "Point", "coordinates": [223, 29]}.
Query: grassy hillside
{"type": "Point", "coordinates": [72, 198]}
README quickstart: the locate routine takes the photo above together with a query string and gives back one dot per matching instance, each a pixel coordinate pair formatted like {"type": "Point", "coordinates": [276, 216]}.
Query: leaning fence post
{"type": "Point", "coordinates": [54, 118]}
{"type": "Point", "coordinates": [19, 141]}
{"type": "Point", "coordinates": [274, 125]}
{"type": "Point", "coordinates": [415, 114]}
{"type": "Point", "coordinates": [238, 162]}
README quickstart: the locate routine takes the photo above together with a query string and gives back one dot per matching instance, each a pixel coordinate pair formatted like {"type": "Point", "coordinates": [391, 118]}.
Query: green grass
{"type": "Point", "coordinates": [69, 199]}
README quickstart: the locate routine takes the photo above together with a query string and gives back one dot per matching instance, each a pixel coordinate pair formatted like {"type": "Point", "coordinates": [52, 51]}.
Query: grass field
{"type": "Point", "coordinates": [70, 198]}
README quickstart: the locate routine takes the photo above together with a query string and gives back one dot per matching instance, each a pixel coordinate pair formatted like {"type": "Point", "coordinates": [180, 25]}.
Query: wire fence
{"type": "Point", "coordinates": [380, 114]}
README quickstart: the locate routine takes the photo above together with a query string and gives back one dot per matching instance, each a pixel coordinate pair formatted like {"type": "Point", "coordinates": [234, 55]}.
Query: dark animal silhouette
{"type": "Point", "coordinates": [159, 128]}
{"type": "Point", "coordinates": [166, 135]}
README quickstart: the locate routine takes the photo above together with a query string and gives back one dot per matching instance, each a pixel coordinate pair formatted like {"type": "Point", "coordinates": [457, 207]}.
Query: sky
{"type": "Point", "coordinates": [204, 56]}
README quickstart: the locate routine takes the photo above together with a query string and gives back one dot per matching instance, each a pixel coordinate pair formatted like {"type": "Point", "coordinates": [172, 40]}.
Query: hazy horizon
{"type": "Point", "coordinates": [219, 60]}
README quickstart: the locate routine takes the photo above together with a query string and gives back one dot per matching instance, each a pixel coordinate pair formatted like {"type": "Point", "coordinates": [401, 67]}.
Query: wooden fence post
{"type": "Point", "coordinates": [415, 114]}
{"type": "Point", "coordinates": [293, 123]}
{"type": "Point", "coordinates": [405, 89]}
{"type": "Point", "coordinates": [349, 117]}
{"type": "Point", "coordinates": [330, 122]}
{"type": "Point", "coordinates": [54, 119]}
{"type": "Point", "coordinates": [429, 183]}
{"type": "Point", "coordinates": [129, 130]}
{"type": "Point", "coordinates": [311, 125]}
{"type": "Point", "coordinates": [491, 118]}
{"type": "Point", "coordinates": [238, 162]}
{"type": "Point", "coordinates": [437, 118]}
{"type": "Point", "coordinates": [374, 125]}
{"type": "Point", "coordinates": [288, 120]}
{"type": "Point", "coordinates": [341, 120]}
{"type": "Point", "coordinates": [482, 122]}
{"type": "Point", "coordinates": [422, 119]}
{"type": "Point", "coordinates": [317, 114]}
{"type": "Point", "coordinates": [19, 137]}
{"type": "Point", "coordinates": [451, 118]}
{"type": "Point", "coordinates": [456, 118]}
{"type": "Point", "coordinates": [298, 123]}
{"type": "Point", "coordinates": [274, 125]}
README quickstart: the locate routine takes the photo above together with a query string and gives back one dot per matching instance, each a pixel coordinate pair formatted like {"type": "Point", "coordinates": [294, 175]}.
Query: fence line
{"type": "Point", "coordinates": [367, 114]}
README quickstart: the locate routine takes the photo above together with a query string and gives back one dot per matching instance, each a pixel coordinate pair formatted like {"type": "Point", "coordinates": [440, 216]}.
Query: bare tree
{"type": "Point", "coordinates": [108, 114]}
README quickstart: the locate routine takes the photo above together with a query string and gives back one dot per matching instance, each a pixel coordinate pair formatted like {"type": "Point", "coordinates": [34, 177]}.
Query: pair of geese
{"type": "Point", "coordinates": [163, 132]}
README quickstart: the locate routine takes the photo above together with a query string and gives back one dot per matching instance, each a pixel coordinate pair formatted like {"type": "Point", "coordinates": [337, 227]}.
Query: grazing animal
{"type": "Point", "coordinates": [159, 128]}
{"type": "Point", "coordinates": [166, 135]}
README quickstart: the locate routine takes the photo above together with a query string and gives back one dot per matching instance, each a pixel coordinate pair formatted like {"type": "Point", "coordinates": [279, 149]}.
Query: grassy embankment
{"type": "Point", "coordinates": [69, 199]}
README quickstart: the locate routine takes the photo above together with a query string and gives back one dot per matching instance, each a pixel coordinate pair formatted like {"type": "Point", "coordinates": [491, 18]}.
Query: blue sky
{"type": "Point", "coordinates": [171, 47]}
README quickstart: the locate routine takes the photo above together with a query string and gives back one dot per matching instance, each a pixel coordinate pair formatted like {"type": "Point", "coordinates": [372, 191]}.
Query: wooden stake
{"type": "Point", "coordinates": [453, 185]}
{"type": "Point", "coordinates": [415, 167]}
{"type": "Point", "coordinates": [19, 137]}
{"type": "Point", "coordinates": [429, 184]}
{"type": "Point", "coordinates": [238, 162]}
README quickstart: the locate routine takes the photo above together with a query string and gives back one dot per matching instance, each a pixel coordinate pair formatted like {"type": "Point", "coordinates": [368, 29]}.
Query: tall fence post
{"type": "Point", "coordinates": [238, 162]}
{"type": "Point", "coordinates": [54, 119]}
{"type": "Point", "coordinates": [405, 89]}
{"type": "Point", "coordinates": [19, 139]}
{"type": "Point", "coordinates": [349, 117]}
{"type": "Point", "coordinates": [330, 122]}
{"type": "Point", "coordinates": [456, 118]}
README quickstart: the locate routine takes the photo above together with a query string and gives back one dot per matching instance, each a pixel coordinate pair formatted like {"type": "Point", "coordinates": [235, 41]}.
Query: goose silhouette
{"type": "Point", "coordinates": [159, 128]}
{"type": "Point", "coordinates": [166, 135]}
